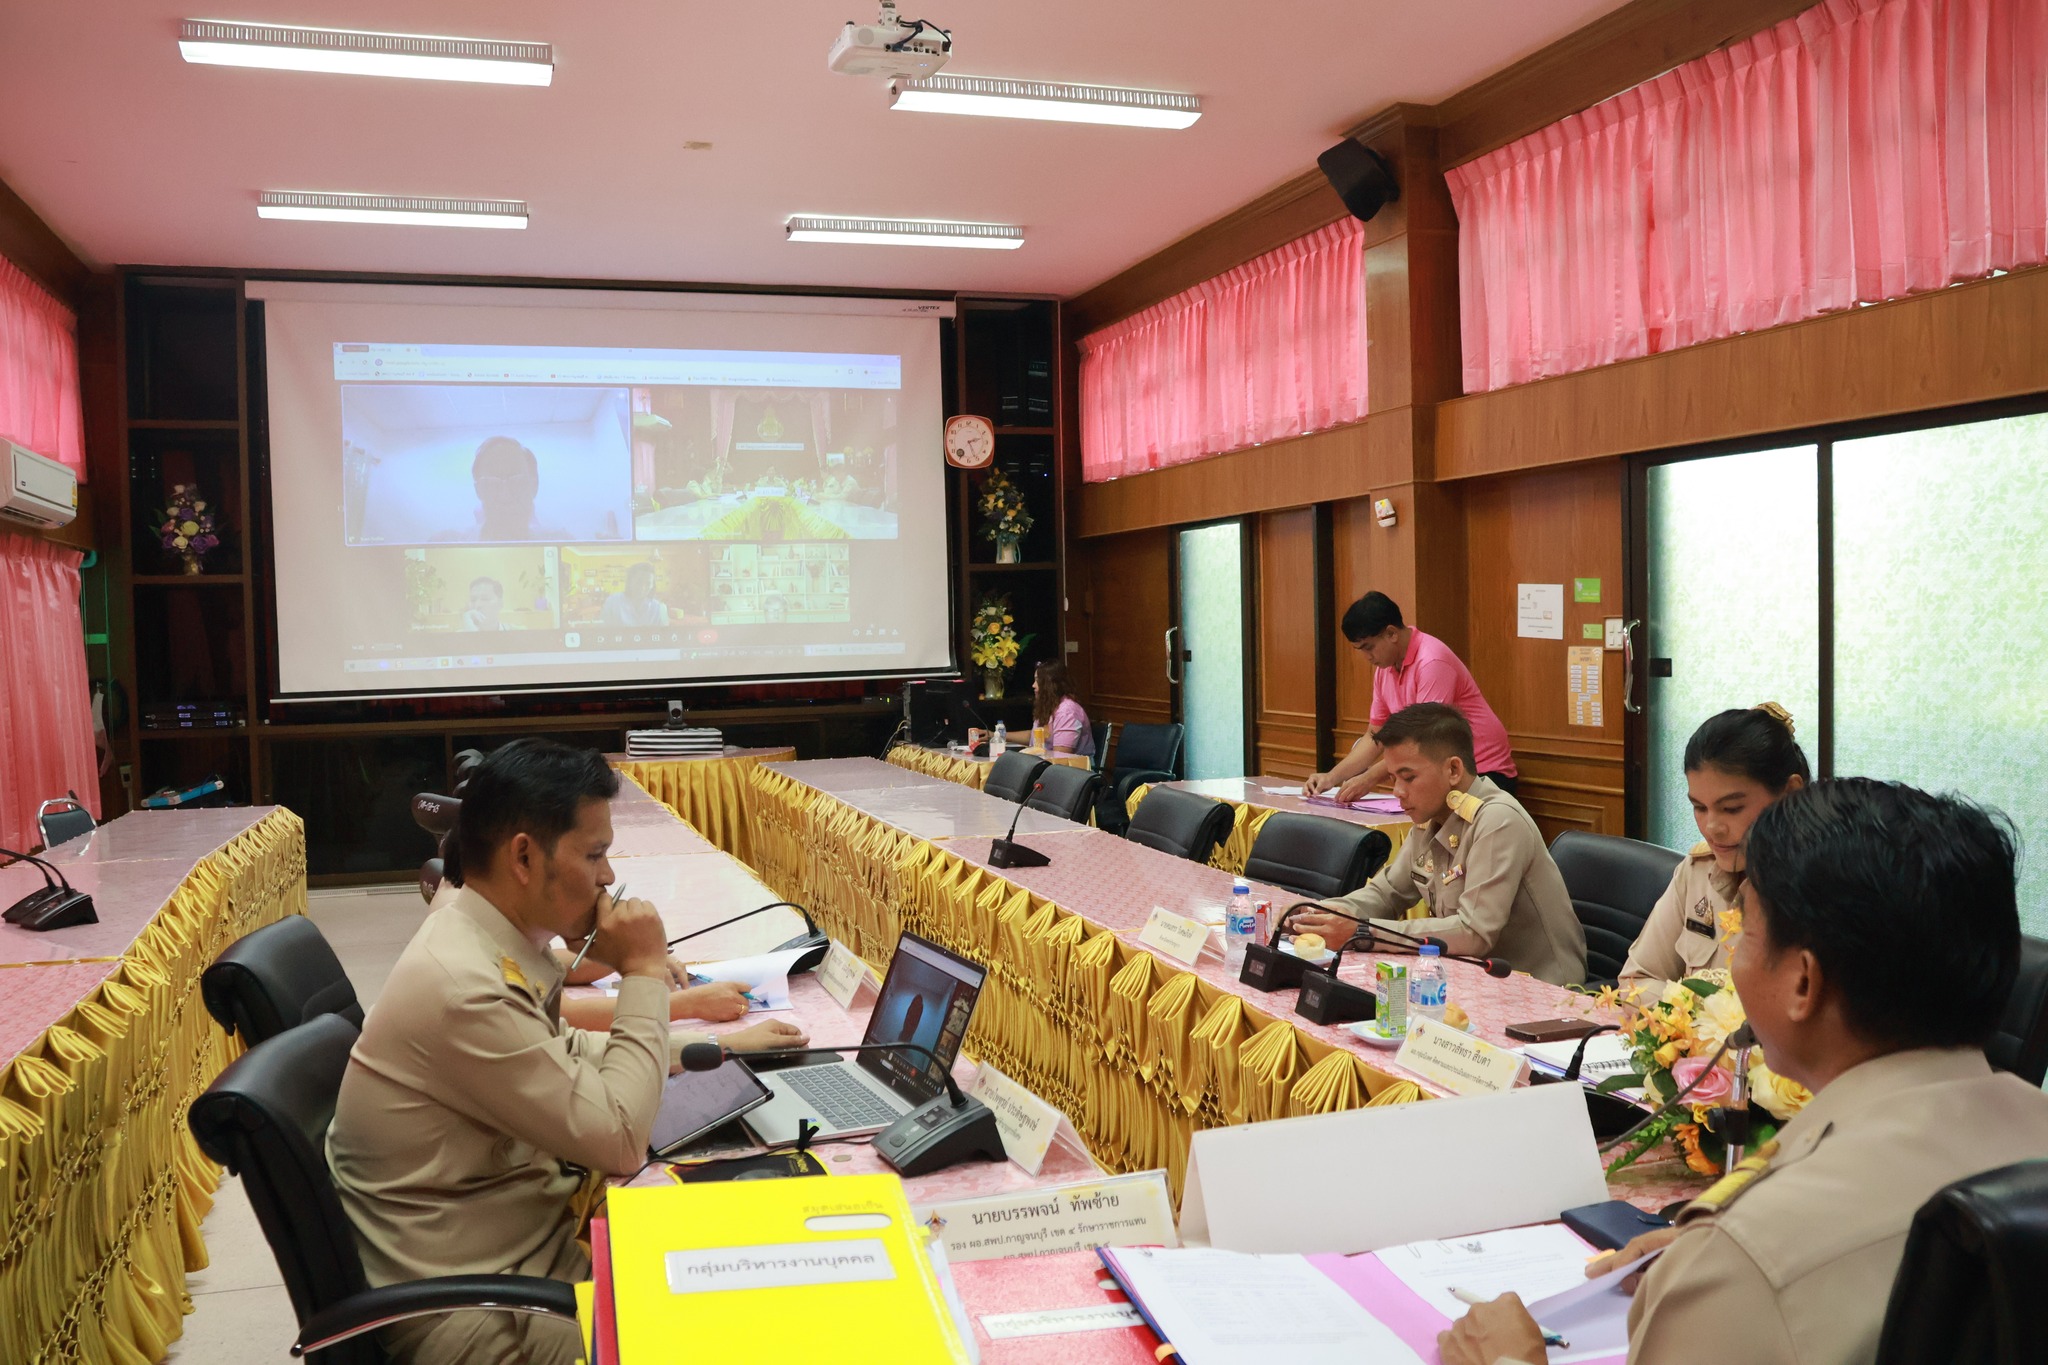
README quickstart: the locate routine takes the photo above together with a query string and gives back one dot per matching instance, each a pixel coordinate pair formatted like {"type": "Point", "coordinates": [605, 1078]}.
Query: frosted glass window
{"type": "Point", "coordinates": [1941, 621]}
{"type": "Point", "coordinates": [1734, 547]}
{"type": "Point", "coordinates": [1212, 631]}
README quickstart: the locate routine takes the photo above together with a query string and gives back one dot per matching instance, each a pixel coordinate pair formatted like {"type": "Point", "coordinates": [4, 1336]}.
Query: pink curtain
{"type": "Point", "coordinates": [1272, 349]}
{"type": "Point", "coordinates": [1859, 151]}
{"type": "Point", "coordinates": [39, 371]}
{"type": "Point", "coordinates": [46, 746]}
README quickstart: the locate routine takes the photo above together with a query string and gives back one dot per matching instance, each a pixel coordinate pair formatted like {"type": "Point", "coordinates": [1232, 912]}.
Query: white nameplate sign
{"type": "Point", "coordinates": [1046, 1322]}
{"type": "Point", "coordinates": [1115, 1211]}
{"type": "Point", "coordinates": [841, 974]}
{"type": "Point", "coordinates": [1026, 1122]}
{"type": "Point", "coordinates": [778, 1265]}
{"type": "Point", "coordinates": [1457, 1061]}
{"type": "Point", "coordinates": [1179, 937]}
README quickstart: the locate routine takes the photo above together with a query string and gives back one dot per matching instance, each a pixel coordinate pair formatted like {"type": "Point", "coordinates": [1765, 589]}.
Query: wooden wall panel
{"type": "Point", "coordinates": [27, 240]}
{"type": "Point", "coordinates": [1550, 526]}
{"type": "Point", "coordinates": [1284, 672]}
{"type": "Point", "coordinates": [1119, 614]}
{"type": "Point", "coordinates": [1967, 344]}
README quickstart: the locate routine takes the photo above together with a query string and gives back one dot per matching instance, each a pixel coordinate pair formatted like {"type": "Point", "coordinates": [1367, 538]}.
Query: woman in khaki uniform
{"type": "Point", "coordinates": [1736, 764]}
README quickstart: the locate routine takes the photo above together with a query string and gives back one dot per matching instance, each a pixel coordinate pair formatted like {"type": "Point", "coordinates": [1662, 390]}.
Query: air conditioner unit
{"type": "Point", "coordinates": [40, 492]}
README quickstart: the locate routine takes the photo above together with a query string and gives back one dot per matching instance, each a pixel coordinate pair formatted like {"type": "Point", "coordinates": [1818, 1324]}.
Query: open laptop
{"type": "Point", "coordinates": [927, 999]}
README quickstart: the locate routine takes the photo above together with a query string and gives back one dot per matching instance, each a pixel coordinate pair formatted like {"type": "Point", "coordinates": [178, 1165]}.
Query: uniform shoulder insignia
{"type": "Point", "coordinates": [1702, 849]}
{"type": "Point", "coordinates": [513, 976]}
{"type": "Point", "coordinates": [1723, 1192]}
{"type": "Point", "coordinates": [1465, 805]}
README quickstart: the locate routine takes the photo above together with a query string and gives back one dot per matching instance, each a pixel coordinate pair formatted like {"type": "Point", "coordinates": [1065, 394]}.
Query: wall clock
{"type": "Point", "coordinates": [970, 442]}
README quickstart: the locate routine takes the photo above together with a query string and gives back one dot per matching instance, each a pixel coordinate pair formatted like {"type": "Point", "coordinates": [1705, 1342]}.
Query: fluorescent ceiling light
{"type": "Point", "coordinates": [994, 97]}
{"type": "Point", "coordinates": [390, 208]}
{"type": "Point", "coordinates": [220, 43]}
{"type": "Point", "coordinates": [904, 232]}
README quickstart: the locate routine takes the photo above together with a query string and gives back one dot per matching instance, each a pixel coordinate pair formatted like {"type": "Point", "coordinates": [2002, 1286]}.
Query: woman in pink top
{"type": "Point", "coordinates": [1053, 706]}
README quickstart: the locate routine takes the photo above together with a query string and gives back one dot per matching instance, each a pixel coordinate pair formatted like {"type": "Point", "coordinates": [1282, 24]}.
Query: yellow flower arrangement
{"type": "Point", "coordinates": [992, 639]}
{"type": "Point", "coordinates": [1002, 508]}
{"type": "Point", "coordinates": [1673, 1041]}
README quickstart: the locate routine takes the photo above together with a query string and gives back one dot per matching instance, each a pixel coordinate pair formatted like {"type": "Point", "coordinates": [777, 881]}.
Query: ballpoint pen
{"type": "Point", "coordinates": [1550, 1338]}
{"type": "Point", "coordinates": [618, 895]}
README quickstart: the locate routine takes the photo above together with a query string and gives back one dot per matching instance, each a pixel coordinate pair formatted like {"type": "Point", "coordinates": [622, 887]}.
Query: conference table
{"type": "Point", "coordinates": [104, 1044]}
{"type": "Point", "coordinates": [707, 792]}
{"type": "Point", "coordinates": [970, 770]}
{"type": "Point", "coordinates": [1136, 1050]}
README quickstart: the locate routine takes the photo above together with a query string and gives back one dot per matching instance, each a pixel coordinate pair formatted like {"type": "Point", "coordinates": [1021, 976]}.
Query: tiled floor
{"type": "Point", "coordinates": [240, 1313]}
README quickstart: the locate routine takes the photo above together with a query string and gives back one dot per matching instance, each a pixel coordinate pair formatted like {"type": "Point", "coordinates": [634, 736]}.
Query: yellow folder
{"type": "Point", "coordinates": [828, 1270]}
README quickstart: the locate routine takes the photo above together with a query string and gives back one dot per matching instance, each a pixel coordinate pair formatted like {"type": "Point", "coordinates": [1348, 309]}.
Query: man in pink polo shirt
{"type": "Point", "coordinates": [1409, 666]}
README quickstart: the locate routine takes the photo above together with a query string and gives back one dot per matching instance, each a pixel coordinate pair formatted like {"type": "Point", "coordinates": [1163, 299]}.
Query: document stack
{"type": "Point", "coordinates": [706, 741]}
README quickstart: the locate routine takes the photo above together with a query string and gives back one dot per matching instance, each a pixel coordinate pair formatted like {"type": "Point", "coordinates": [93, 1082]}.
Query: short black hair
{"type": "Point", "coordinates": [1894, 891]}
{"type": "Point", "coordinates": [641, 567]}
{"type": "Point", "coordinates": [1370, 615]}
{"type": "Point", "coordinates": [503, 445]}
{"type": "Point", "coordinates": [1438, 730]}
{"type": "Point", "coordinates": [1755, 743]}
{"type": "Point", "coordinates": [496, 586]}
{"type": "Point", "coordinates": [534, 787]}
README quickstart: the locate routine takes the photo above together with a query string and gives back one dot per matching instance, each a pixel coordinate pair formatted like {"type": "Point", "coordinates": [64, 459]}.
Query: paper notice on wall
{"type": "Point", "coordinates": [1539, 611]}
{"type": "Point", "coordinates": [1582, 684]}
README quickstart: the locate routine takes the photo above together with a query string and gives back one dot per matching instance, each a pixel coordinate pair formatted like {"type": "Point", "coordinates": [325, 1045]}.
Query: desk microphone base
{"type": "Point", "coordinates": [1010, 853]}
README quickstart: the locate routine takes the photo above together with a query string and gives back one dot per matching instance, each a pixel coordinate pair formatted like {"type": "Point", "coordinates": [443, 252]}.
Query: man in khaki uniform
{"type": "Point", "coordinates": [1790, 1260]}
{"type": "Point", "coordinates": [473, 1130]}
{"type": "Point", "coordinates": [1475, 861]}
{"type": "Point", "coordinates": [1683, 933]}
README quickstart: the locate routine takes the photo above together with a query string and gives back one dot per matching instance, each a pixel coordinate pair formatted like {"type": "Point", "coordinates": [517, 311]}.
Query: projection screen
{"type": "Point", "coordinates": [494, 490]}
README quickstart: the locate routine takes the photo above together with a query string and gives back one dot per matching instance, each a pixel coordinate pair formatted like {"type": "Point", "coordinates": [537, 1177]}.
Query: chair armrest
{"type": "Point", "coordinates": [374, 1308]}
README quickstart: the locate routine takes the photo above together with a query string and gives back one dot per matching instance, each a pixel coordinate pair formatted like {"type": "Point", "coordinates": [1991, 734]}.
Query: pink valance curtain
{"type": "Point", "coordinates": [1272, 349]}
{"type": "Point", "coordinates": [39, 371]}
{"type": "Point", "coordinates": [46, 746]}
{"type": "Point", "coordinates": [1859, 151]}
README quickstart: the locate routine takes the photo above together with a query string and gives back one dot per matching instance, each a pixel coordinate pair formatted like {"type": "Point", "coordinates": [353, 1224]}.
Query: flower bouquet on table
{"type": "Point", "coordinates": [185, 526]}
{"type": "Point", "coordinates": [1004, 516]}
{"type": "Point", "coordinates": [1672, 1039]}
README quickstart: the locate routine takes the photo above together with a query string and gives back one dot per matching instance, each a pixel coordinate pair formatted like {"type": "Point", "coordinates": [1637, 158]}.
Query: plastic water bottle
{"type": "Point", "coordinates": [1428, 991]}
{"type": "Point", "coordinates": [1000, 741]}
{"type": "Point", "coordinates": [1240, 924]}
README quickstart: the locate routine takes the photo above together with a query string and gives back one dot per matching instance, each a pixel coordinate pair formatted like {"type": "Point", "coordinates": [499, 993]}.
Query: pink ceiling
{"type": "Point", "coordinates": [136, 157]}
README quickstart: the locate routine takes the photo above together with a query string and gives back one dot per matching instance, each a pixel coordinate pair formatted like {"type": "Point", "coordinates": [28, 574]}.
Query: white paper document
{"type": "Point", "coordinates": [766, 976]}
{"type": "Point", "coordinates": [1243, 1190]}
{"type": "Point", "coordinates": [1534, 1262]}
{"type": "Point", "coordinates": [1228, 1308]}
{"type": "Point", "coordinates": [1539, 611]}
{"type": "Point", "coordinates": [1592, 1315]}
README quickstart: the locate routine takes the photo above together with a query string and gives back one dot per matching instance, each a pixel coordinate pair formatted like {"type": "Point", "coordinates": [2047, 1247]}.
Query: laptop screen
{"type": "Point", "coordinates": [927, 1000]}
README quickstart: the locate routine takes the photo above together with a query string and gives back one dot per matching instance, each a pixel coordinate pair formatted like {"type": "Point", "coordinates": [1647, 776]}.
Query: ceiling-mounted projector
{"type": "Point", "coordinates": [891, 47]}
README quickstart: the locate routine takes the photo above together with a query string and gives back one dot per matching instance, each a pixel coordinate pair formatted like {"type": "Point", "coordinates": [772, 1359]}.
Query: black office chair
{"type": "Point", "coordinates": [1011, 776]}
{"type": "Point", "coordinates": [1180, 823]}
{"type": "Point", "coordinates": [1968, 1284]}
{"type": "Point", "coordinates": [2021, 1043]}
{"type": "Point", "coordinates": [437, 814]}
{"type": "Point", "coordinates": [1146, 755]}
{"type": "Point", "coordinates": [1614, 884]}
{"type": "Point", "coordinates": [275, 979]}
{"type": "Point", "coordinates": [265, 1118]}
{"type": "Point", "coordinates": [1063, 791]}
{"type": "Point", "coordinates": [1313, 855]}
{"type": "Point", "coordinates": [63, 818]}
{"type": "Point", "coordinates": [1102, 734]}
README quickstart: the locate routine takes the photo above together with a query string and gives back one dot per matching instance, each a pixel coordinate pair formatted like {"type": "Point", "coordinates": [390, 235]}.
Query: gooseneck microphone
{"type": "Point", "coordinates": [811, 940]}
{"type": "Point", "coordinates": [1371, 930]}
{"type": "Point", "coordinates": [1007, 852]}
{"type": "Point", "coordinates": [57, 906]}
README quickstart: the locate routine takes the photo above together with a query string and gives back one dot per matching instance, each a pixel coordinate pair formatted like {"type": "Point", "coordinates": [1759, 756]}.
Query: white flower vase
{"type": "Point", "coordinates": [1008, 549]}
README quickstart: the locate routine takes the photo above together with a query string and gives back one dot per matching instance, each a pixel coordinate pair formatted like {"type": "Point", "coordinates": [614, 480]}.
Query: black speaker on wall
{"type": "Point", "coordinates": [1361, 177]}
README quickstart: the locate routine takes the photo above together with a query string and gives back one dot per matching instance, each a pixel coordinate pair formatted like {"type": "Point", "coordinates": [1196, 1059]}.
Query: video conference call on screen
{"type": "Point", "coordinates": [548, 515]}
